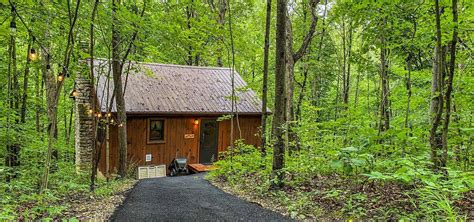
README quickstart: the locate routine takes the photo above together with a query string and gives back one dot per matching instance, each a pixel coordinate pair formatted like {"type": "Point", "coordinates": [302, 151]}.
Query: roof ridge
{"type": "Point", "coordinates": [171, 65]}
{"type": "Point", "coordinates": [182, 66]}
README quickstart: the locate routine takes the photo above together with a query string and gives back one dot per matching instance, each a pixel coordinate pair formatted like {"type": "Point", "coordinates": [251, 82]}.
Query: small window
{"type": "Point", "coordinates": [156, 131]}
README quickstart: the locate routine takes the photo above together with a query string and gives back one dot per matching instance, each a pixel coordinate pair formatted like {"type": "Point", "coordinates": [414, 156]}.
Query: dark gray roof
{"type": "Point", "coordinates": [176, 89]}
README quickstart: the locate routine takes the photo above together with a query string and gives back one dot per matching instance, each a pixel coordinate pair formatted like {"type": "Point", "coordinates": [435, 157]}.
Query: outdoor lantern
{"type": "Point", "coordinates": [74, 93]}
{"type": "Point", "coordinates": [112, 120]}
{"type": "Point", "coordinates": [60, 77]}
{"type": "Point", "coordinates": [99, 115]}
{"type": "Point", "coordinates": [33, 54]}
{"type": "Point", "coordinates": [109, 114]}
{"type": "Point", "coordinates": [13, 26]}
{"type": "Point", "coordinates": [90, 111]}
{"type": "Point", "coordinates": [196, 121]}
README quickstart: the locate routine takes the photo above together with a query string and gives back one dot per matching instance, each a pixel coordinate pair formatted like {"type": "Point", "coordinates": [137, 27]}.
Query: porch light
{"type": "Point", "coordinates": [196, 122]}
{"type": "Point", "coordinates": [33, 56]}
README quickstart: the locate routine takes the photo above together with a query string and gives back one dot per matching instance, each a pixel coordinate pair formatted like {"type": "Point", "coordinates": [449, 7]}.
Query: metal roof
{"type": "Point", "coordinates": [176, 89]}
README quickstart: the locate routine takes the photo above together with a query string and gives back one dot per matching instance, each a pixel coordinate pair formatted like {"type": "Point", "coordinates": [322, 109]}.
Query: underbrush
{"type": "Point", "coordinates": [20, 199]}
{"type": "Point", "coordinates": [347, 184]}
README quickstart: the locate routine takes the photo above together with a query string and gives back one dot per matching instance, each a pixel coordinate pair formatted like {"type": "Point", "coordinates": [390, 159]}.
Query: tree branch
{"type": "Point", "coordinates": [307, 39]}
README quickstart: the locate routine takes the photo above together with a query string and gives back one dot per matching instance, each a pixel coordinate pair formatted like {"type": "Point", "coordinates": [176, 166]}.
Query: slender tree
{"type": "Point", "coordinates": [291, 59]}
{"type": "Point", "coordinates": [436, 107]}
{"type": "Point", "coordinates": [53, 89]}
{"type": "Point", "coordinates": [384, 109]}
{"type": "Point", "coordinates": [266, 50]}
{"type": "Point", "coordinates": [118, 91]}
{"type": "Point", "coordinates": [449, 84]}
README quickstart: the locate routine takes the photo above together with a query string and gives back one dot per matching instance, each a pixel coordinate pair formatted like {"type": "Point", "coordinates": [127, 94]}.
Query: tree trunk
{"type": "Point", "coordinates": [265, 75]}
{"type": "Point", "coordinates": [25, 83]}
{"type": "Point", "coordinates": [38, 99]}
{"type": "Point", "coordinates": [384, 123]}
{"type": "Point", "coordinates": [119, 95]}
{"type": "Point", "coordinates": [95, 149]}
{"type": "Point", "coordinates": [449, 85]}
{"type": "Point", "coordinates": [222, 7]}
{"type": "Point", "coordinates": [13, 149]}
{"type": "Point", "coordinates": [436, 107]}
{"type": "Point", "coordinates": [53, 90]}
{"type": "Point", "coordinates": [189, 16]}
{"type": "Point", "coordinates": [279, 118]}
{"type": "Point", "coordinates": [348, 71]}
{"type": "Point", "coordinates": [301, 93]}
{"type": "Point", "coordinates": [290, 136]}
{"type": "Point", "coordinates": [317, 81]}
{"type": "Point", "coordinates": [292, 58]}
{"type": "Point", "coordinates": [344, 63]}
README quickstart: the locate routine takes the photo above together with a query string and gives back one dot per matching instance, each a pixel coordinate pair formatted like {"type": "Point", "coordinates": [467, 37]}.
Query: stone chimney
{"type": "Point", "coordinates": [84, 124]}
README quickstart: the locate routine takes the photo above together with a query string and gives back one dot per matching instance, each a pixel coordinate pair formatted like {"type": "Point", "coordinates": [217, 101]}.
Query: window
{"type": "Point", "coordinates": [156, 131]}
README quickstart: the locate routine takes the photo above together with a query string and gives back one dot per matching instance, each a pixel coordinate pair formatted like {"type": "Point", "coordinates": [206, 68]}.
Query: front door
{"type": "Point", "coordinates": [209, 137]}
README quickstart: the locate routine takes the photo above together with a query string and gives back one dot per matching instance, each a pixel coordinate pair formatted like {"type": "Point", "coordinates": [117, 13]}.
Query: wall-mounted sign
{"type": "Point", "coordinates": [148, 157]}
{"type": "Point", "coordinates": [189, 136]}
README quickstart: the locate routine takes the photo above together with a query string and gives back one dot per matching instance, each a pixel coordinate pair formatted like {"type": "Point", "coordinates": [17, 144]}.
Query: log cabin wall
{"type": "Point", "coordinates": [175, 143]}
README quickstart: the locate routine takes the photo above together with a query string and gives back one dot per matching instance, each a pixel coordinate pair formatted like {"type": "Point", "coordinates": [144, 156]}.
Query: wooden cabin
{"type": "Point", "coordinates": [177, 111]}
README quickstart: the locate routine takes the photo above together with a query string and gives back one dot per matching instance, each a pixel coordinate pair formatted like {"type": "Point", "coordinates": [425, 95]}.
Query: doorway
{"type": "Point", "coordinates": [208, 144]}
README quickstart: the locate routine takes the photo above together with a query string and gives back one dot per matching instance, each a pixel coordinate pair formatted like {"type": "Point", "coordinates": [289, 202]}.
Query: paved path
{"type": "Point", "coordinates": [187, 198]}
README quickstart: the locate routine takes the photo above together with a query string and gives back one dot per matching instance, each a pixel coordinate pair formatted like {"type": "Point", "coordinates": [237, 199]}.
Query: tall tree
{"type": "Point", "coordinates": [436, 107]}
{"type": "Point", "coordinates": [118, 61]}
{"type": "Point", "coordinates": [118, 91]}
{"type": "Point", "coordinates": [24, 97]}
{"type": "Point", "coordinates": [449, 85]}
{"type": "Point", "coordinates": [279, 117]}
{"type": "Point", "coordinates": [53, 89]}
{"type": "Point", "coordinates": [291, 59]}
{"type": "Point", "coordinates": [265, 74]}
{"type": "Point", "coordinates": [384, 111]}
{"type": "Point", "coordinates": [13, 148]}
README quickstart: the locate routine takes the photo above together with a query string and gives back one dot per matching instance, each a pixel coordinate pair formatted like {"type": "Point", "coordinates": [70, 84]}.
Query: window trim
{"type": "Point", "coordinates": [148, 131]}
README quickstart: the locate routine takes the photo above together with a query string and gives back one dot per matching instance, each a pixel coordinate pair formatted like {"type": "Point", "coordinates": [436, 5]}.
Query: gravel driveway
{"type": "Point", "coordinates": [187, 198]}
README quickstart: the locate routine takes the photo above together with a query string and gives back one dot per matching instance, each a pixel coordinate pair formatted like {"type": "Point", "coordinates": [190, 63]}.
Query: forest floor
{"type": "Point", "coordinates": [335, 198]}
{"type": "Point", "coordinates": [97, 206]}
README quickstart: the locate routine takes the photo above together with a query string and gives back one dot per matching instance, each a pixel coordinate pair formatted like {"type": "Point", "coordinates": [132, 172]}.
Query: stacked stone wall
{"type": "Point", "coordinates": [84, 124]}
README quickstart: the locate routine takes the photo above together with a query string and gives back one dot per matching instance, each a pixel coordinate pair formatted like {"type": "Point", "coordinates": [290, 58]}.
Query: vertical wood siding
{"type": "Point", "coordinates": [175, 143]}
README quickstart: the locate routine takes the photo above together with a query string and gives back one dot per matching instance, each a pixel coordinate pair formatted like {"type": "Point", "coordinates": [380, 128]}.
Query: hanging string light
{"type": "Point", "coordinates": [33, 56]}
{"type": "Point", "coordinates": [74, 93]}
{"type": "Point", "coordinates": [60, 77]}
{"type": "Point", "coordinates": [12, 27]}
{"type": "Point", "coordinates": [61, 74]}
